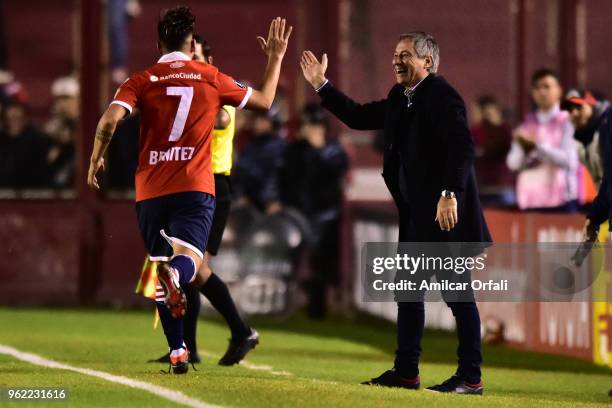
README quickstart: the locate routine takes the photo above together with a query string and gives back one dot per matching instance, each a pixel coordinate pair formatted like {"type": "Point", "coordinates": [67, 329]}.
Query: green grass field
{"type": "Point", "coordinates": [298, 363]}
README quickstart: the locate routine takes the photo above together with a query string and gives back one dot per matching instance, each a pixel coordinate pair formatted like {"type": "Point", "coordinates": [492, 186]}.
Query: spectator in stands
{"type": "Point", "coordinates": [593, 121]}
{"type": "Point", "coordinates": [492, 139]}
{"type": "Point", "coordinates": [586, 114]}
{"type": "Point", "coordinates": [23, 150]}
{"type": "Point", "coordinates": [311, 181]}
{"type": "Point", "coordinates": [61, 129]}
{"type": "Point", "coordinates": [543, 151]}
{"type": "Point", "coordinates": [10, 91]}
{"type": "Point", "coordinates": [119, 13]}
{"type": "Point", "coordinates": [13, 92]}
{"type": "Point", "coordinates": [255, 176]}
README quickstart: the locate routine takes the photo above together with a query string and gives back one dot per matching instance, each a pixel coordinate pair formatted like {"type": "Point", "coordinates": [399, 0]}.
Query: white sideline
{"type": "Point", "coordinates": [171, 395]}
{"type": "Point", "coordinates": [251, 366]}
{"type": "Point", "coordinates": [267, 368]}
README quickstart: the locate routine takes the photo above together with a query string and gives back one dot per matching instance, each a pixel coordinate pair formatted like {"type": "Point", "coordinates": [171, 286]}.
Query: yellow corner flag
{"type": "Point", "coordinates": [147, 284]}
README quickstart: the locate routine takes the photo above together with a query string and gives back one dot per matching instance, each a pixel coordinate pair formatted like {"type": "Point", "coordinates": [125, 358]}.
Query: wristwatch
{"type": "Point", "coordinates": [448, 194]}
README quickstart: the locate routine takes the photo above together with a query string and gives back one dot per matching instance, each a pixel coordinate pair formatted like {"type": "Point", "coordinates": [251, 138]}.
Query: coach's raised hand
{"type": "Point", "coordinates": [274, 47]}
{"type": "Point", "coordinates": [313, 70]}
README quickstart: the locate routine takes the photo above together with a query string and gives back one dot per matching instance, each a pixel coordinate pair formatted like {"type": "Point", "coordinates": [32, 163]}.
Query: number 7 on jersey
{"type": "Point", "coordinates": [186, 94]}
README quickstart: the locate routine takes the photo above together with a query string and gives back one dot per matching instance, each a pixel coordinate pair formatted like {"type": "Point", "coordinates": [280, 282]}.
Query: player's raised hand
{"type": "Point", "coordinates": [278, 38]}
{"type": "Point", "coordinates": [313, 70]}
{"type": "Point", "coordinates": [274, 47]}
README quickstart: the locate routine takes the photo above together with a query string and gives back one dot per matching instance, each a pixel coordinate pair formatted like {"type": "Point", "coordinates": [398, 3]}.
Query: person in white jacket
{"type": "Point", "coordinates": [543, 151]}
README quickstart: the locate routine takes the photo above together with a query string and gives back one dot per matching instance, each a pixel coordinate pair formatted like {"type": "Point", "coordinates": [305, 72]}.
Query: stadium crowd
{"type": "Point", "coordinates": [537, 165]}
{"type": "Point", "coordinates": [33, 156]}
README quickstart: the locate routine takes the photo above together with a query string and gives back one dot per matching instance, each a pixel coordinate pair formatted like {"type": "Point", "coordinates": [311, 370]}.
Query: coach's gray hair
{"type": "Point", "coordinates": [425, 45]}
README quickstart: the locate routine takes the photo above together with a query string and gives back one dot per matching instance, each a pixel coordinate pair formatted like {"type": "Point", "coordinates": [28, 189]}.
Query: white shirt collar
{"type": "Point", "coordinates": [411, 89]}
{"type": "Point", "coordinates": [174, 56]}
{"type": "Point", "coordinates": [546, 116]}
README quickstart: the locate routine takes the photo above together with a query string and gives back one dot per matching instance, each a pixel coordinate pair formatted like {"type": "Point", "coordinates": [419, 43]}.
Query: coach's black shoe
{"type": "Point", "coordinates": [238, 349]}
{"type": "Point", "coordinates": [458, 386]}
{"type": "Point", "coordinates": [391, 378]}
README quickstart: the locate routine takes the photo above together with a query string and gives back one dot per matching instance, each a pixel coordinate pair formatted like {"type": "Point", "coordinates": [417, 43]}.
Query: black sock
{"type": "Point", "coordinates": [173, 328]}
{"type": "Point", "coordinates": [190, 321]}
{"type": "Point", "coordinates": [219, 296]}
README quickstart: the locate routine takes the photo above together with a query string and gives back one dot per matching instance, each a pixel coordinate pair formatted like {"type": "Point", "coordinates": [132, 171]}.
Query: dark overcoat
{"type": "Point", "coordinates": [427, 148]}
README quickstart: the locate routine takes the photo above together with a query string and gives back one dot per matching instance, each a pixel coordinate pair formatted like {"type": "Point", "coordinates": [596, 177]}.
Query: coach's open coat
{"type": "Point", "coordinates": [428, 148]}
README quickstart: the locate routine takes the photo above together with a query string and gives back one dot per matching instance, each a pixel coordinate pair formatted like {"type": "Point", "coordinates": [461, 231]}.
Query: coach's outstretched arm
{"type": "Point", "coordinates": [104, 134]}
{"type": "Point", "coordinates": [368, 116]}
{"type": "Point", "coordinates": [274, 47]}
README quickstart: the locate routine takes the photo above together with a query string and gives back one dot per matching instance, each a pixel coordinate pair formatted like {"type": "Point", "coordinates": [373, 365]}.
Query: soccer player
{"type": "Point", "coordinates": [243, 339]}
{"type": "Point", "coordinates": [179, 99]}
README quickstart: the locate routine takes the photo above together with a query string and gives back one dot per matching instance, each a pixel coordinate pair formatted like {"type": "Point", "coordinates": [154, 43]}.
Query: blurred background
{"type": "Point", "coordinates": [61, 61]}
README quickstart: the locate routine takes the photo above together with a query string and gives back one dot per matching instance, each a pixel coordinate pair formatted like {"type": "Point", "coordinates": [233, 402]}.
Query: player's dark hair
{"type": "Point", "coordinates": [174, 26]}
{"type": "Point", "coordinates": [543, 73]}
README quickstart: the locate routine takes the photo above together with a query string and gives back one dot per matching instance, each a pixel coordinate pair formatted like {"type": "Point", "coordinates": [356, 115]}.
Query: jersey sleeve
{"type": "Point", "coordinates": [232, 92]}
{"type": "Point", "coordinates": [128, 93]}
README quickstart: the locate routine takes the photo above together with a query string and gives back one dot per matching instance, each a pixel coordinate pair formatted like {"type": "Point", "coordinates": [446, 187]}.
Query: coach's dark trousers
{"type": "Point", "coordinates": [411, 315]}
{"type": "Point", "coordinates": [410, 325]}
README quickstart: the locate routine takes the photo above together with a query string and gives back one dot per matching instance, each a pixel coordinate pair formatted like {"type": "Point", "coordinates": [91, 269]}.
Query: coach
{"type": "Point", "coordinates": [428, 168]}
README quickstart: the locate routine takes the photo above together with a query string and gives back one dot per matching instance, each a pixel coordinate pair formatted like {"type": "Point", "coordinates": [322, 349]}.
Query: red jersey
{"type": "Point", "coordinates": [178, 99]}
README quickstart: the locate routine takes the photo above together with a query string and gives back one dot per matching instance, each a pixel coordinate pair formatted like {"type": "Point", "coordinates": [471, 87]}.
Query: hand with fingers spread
{"type": "Point", "coordinates": [274, 47]}
{"type": "Point", "coordinates": [94, 167]}
{"type": "Point", "coordinates": [446, 213]}
{"type": "Point", "coordinates": [278, 38]}
{"type": "Point", "coordinates": [313, 70]}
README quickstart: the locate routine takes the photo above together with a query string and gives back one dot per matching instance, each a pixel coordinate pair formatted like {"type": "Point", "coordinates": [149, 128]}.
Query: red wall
{"type": "Point", "coordinates": [40, 253]}
{"type": "Point", "coordinates": [58, 253]}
